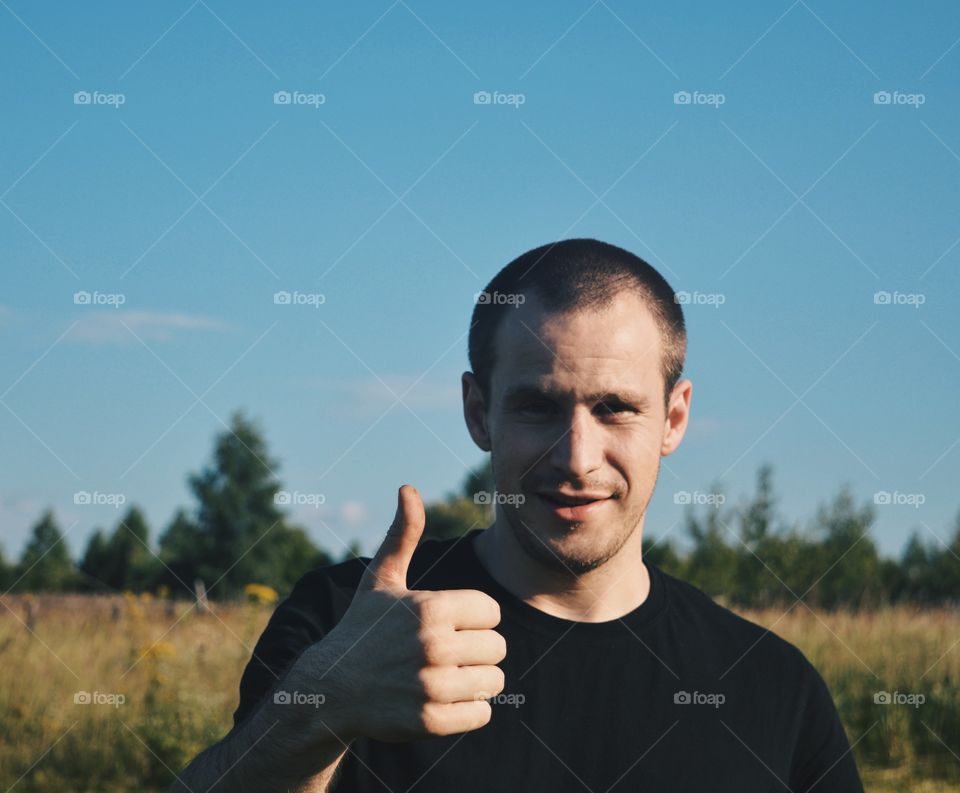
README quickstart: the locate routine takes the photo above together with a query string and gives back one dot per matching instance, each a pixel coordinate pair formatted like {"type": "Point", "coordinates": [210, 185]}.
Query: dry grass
{"type": "Point", "coordinates": [178, 671]}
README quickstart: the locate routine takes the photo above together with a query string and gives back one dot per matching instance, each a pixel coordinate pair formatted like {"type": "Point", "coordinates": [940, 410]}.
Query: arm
{"type": "Point", "coordinates": [281, 747]}
{"type": "Point", "coordinates": [413, 664]}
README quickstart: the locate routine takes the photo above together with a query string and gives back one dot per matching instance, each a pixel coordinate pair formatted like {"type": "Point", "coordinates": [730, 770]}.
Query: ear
{"type": "Point", "coordinates": [678, 415]}
{"type": "Point", "coordinates": [475, 411]}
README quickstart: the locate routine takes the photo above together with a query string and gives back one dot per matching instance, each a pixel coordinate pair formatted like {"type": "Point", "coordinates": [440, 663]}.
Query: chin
{"type": "Point", "coordinates": [567, 547]}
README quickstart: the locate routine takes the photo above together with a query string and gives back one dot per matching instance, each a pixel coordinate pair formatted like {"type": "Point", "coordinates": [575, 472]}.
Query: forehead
{"type": "Point", "coordinates": [584, 350]}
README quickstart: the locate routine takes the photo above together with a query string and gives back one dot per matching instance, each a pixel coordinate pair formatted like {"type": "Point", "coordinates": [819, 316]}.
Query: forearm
{"type": "Point", "coordinates": [280, 747]}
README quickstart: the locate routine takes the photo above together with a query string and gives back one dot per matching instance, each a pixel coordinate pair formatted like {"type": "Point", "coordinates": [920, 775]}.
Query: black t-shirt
{"type": "Point", "coordinates": [678, 695]}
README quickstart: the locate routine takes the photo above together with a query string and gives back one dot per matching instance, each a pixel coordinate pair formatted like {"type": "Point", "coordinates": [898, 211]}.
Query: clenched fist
{"type": "Point", "coordinates": [413, 663]}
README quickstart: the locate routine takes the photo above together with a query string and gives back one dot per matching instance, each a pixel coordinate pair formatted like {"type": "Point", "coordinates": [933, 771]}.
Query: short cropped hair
{"type": "Point", "coordinates": [576, 274]}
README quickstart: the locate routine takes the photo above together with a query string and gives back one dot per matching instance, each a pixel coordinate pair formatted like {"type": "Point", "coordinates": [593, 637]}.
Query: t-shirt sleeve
{"type": "Point", "coordinates": [823, 761]}
{"type": "Point", "coordinates": [299, 621]}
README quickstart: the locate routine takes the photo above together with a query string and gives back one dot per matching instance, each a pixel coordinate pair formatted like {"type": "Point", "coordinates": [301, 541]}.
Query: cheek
{"type": "Point", "coordinates": [520, 449]}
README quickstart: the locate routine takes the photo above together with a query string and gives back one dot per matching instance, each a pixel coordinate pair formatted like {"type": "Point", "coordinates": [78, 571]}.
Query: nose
{"type": "Point", "coordinates": [579, 451]}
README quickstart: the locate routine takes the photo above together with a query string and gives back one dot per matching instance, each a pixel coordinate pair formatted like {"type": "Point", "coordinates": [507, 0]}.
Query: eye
{"type": "Point", "coordinates": [538, 407]}
{"type": "Point", "coordinates": [609, 408]}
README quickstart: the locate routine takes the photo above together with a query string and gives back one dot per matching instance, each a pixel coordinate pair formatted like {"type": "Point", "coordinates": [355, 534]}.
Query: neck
{"type": "Point", "coordinates": [605, 593]}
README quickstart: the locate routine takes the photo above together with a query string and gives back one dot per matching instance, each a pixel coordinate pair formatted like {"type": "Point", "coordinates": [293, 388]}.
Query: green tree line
{"type": "Point", "coordinates": [237, 533]}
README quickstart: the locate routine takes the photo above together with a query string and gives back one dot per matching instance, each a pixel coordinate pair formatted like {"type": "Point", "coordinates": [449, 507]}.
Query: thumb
{"type": "Point", "coordinates": [388, 568]}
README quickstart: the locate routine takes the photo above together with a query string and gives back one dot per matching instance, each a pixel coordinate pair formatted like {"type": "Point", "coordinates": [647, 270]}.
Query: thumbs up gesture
{"type": "Point", "coordinates": [416, 663]}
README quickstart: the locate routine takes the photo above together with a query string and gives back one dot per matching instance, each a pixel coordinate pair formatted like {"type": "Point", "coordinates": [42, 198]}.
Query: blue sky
{"type": "Point", "coordinates": [782, 163]}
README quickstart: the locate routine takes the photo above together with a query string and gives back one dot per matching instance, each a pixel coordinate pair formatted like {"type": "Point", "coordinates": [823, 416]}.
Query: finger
{"type": "Point", "coordinates": [477, 648]}
{"type": "Point", "coordinates": [388, 568]}
{"type": "Point", "coordinates": [464, 684]}
{"type": "Point", "coordinates": [454, 717]}
{"type": "Point", "coordinates": [466, 609]}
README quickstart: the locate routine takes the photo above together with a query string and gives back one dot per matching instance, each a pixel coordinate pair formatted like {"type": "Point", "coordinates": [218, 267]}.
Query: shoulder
{"type": "Point", "coordinates": [733, 641]}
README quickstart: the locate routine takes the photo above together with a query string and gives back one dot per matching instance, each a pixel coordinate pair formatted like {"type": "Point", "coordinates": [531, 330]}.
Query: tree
{"type": "Point", "coordinates": [237, 535]}
{"type": "Point", "coordinates": [848, 564]}
{"type": "Point", "coordinates": [123, 561]}
{"type": "Point", "coordinates": [469, 509]}
{"type": "Point", "coordinates": [45, 564]}
{"type": "Point", "coordinates": [712, 562]}
{"type": "Point", "coordinates": [662, 554]}
{"type": "Point", "coordinates": [94, 563]}
{"type": "Point", "coordinates": [6, 573]}
{"type": "Point", "coordinates": [182, 550]}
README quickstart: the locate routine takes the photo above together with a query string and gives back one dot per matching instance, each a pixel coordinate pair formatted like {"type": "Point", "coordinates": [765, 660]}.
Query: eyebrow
{"type": "Point", "coordinates": [519, 392]}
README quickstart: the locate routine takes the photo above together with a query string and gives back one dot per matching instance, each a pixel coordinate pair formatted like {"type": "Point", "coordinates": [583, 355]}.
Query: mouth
{"type": "Point", "coordinates": [573, 506]}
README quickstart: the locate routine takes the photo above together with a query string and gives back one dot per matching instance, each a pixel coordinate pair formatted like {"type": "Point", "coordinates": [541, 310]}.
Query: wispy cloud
{"type": "Point", "coordinates": [114, 327]}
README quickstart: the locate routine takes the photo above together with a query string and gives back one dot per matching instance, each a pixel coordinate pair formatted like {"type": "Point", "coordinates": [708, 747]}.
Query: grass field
{"type": "Point", "coordinates": [178, 670]}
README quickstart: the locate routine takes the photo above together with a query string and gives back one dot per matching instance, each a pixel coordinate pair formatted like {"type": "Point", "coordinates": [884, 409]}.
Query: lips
{"type": "Point", "coordinates": [573, 507]}
{"type": "Point", "coordinates": [572, 499]}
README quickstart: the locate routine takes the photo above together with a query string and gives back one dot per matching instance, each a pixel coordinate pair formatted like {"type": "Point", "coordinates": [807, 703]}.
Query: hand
{"type": "Point", "coordinates": [417, 663]}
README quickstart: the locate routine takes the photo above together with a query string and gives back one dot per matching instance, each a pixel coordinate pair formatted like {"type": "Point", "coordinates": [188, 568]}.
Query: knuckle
{"type": "Point", "coordinates": [431, 685]}
{"type": "Point", "coordinates": [435, 652]}
{"type": "Point", "coordinates": [428, 610]}
{"type": "Point", "coordinates": [430, 720]}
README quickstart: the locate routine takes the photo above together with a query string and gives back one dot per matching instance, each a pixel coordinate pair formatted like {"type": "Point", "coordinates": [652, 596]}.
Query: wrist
{"type": "Point", "coordinates": [316, 696]}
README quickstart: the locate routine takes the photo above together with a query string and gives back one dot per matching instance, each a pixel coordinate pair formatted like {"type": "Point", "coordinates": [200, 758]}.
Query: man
{"type": "Point", "coordinates": [542, 653]}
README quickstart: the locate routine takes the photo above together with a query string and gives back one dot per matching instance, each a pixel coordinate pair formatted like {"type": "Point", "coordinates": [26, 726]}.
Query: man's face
{"type": "Point", "coordinates": [576, 425]}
